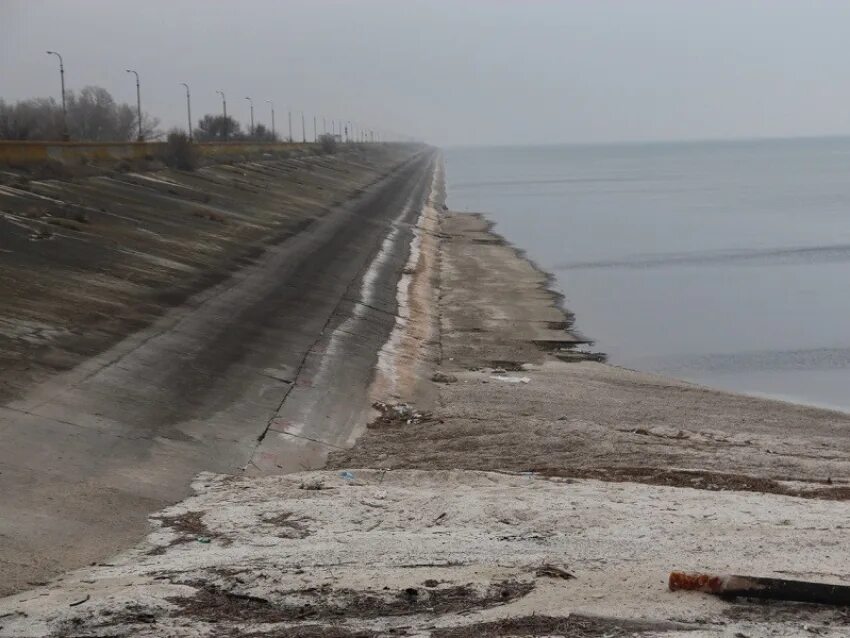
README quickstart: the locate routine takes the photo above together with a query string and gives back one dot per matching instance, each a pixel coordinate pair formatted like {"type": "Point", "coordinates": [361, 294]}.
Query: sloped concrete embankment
{"type": "Point", "coordinates": [122, 381]}
{"type": "Point", "coordinates": [85, 262]}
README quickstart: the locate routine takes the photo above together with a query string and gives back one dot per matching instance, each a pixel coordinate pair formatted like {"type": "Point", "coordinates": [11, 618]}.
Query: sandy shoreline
{"type": "Point", "coordinates": [590, 419]}
{"type": "Point", "coordinates": [522, 490]}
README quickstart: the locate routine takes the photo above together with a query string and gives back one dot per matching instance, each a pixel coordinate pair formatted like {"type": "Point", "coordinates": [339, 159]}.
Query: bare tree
{"type": "Point", "coordinates": [35, 119]}
{"type": "Point", "coordinates": [215, 128]}
{"type": "Point", "coordinates": [93, 114]}
{"type": "Point", "coordinates": [263, 134]}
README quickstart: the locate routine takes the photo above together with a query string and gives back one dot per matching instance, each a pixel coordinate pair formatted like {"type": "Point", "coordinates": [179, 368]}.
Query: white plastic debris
{"type": "Point", "coordinates": [507, 379]}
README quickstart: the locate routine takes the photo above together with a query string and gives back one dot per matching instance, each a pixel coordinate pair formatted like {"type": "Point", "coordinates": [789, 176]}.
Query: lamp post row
{"type": "Point", "coordinates": [349, 129]}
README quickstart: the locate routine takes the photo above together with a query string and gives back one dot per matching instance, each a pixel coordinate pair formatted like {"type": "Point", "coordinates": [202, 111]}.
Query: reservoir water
{"type": "Point", "coordinates": [724, 263]}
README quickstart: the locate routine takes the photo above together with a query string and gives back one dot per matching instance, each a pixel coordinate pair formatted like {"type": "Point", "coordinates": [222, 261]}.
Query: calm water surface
{"type": "Point", "coordinates": [726, 263]}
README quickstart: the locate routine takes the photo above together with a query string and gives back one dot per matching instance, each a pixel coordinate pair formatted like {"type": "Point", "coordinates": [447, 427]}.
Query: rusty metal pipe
{"type": "Point", "coordinates": [732, 586]}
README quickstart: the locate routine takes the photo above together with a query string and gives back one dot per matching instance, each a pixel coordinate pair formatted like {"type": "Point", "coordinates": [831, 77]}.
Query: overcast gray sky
{"type": "Point", "coordinates": [459, 71]}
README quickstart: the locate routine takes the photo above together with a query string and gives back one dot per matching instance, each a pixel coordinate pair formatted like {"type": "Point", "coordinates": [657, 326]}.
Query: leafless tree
{"type": "Point", "coordinates": [212, 128]}
{"type": "Point", "coordinates": [262, 134]}
{"type": "Point", "coordinates": [93, 114]}
{"type": "Point", "coordinates": [36, 119]}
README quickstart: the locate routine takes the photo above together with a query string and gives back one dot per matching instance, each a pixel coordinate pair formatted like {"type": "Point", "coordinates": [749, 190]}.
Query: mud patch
{"type": "Point", "coordinates": [567, 626]}
{"type": "Point", "coordinates": [292, 527]}
{"type": "Point", "coordinates": [190, 527]}
{"type": "Point", "coordinates": [782, 612]}
{"type": "Point", "coordinates": [213, 604]}
{"type": "Point", "coordinates": [696, 479]}
{"type": "Point", "coordinates": [312, 631]}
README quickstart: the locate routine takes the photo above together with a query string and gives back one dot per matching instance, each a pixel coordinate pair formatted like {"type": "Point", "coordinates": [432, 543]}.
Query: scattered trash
{"type": "Point", "coordinates": [346, 475]}
{"type": "Point", "coordinates": [550, 571]}
{"type": "Point", "coordinates": [500, 366]}
{"type": "Point", "coordinates": [203, 539]}
{"type": "Point", "coordinates": [765, 588]}
{"type": "Point", "coordinates": [512, 379]}
{"type": "Point", "coordinates": [81, 601]}
{"type": "Point", "coordinates": [442, 377]}
{"type": "Point", "coordinates": [398, 414]}
{"type": "Point", "coordinates": [316, 484]}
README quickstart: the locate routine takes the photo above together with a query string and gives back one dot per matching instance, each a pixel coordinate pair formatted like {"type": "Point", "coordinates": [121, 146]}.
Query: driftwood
{"type": "Point", "coordinates": [765, 588]}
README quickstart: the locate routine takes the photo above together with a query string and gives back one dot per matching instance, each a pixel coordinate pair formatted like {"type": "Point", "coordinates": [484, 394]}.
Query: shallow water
{"type": "Point", "coordinates": [726, 263]}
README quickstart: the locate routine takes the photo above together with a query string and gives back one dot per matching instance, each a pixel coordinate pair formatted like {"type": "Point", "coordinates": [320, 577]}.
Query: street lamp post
{"type": "Point", "coordinates": [315, 131]}
{"type": "Point", "coordinates": [290, 126]}
{"type": "Point", "coordinates": [303, 129]}
{"type": "Point", "coordinates": [274, 135]}
{"type": "Point", "coordinates": [65, 135]}
{"type": "Point", "coordinates": [138, 103]}
{"type": "Point", "coordinates": [252, 115]}
{"type": "Point", "coordinates": [188, 109]}
{"type": "Point", "coordinates": [224, 108]}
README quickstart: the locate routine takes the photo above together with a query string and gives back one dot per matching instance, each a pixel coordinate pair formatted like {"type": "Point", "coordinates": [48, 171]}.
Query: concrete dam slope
{"type": "Point", "coordinates": [155, 325]}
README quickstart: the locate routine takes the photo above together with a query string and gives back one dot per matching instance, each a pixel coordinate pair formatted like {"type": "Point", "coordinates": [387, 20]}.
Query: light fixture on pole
{"type": "Point", "coordinates": [138, 103]}
{"type": "Point", "coordinates": [188, 109]}
{"type": "Point", "coordinates": [274, 135]}
{"type": "Point", "coordinates": [224, 124]}
{"type": "Point", "coordinates": [252, 115]}
{"type": "Point", "coordinates": [65, 135]}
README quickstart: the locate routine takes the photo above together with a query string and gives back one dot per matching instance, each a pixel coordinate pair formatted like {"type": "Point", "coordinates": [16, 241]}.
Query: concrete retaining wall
{"type": "Point", "coordinates": [14, 153]}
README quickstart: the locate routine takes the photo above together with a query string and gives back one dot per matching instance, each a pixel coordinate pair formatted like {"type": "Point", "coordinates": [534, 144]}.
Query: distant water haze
{"type": "Point", "coordinates": [725, 263]}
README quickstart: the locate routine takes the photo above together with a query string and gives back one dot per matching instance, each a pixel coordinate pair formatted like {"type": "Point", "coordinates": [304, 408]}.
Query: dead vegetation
{"type": "Point", "coordinates": [214, 604]}
{"type": "Point", "coordinates": [784, 611]}
{"type": "Point", "coordinates": [190, 527]}
{"type": "Point", "coordinates": [696, 479]}
{"type": "Point", "coordinates": [292, 527]}
{"type": "Point", "coordinates": [572, 626]}
{"type": "Point", "coordinates": [553, 571]}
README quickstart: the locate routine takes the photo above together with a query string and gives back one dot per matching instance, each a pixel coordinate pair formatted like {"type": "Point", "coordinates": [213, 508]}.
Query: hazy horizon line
{"type": "Point", "coordinates": [647, 142]}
